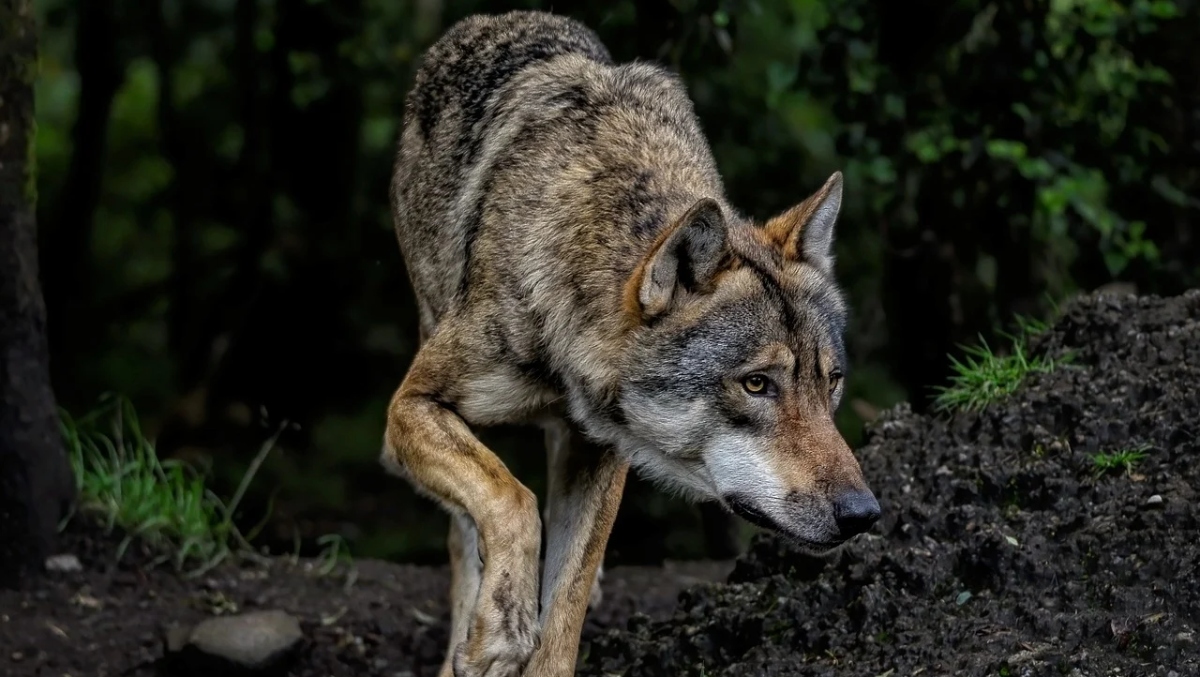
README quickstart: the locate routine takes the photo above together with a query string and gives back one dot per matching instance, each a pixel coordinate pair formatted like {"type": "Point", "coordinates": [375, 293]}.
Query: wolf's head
{"type": "Point", "coordinates": [738, 366]}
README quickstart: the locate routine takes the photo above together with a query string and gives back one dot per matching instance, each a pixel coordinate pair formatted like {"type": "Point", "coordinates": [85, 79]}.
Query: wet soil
{"type": "Point", "coordinates": [1002, 551]}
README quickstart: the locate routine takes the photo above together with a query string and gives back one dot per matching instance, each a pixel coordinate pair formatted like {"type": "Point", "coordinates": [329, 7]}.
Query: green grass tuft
{"type": "Point", "coordinates": [1122, 460]}
{"type": "Point", "coordinates": [983, 376]}
{"type": "Point", "coordinates": [165, 504]}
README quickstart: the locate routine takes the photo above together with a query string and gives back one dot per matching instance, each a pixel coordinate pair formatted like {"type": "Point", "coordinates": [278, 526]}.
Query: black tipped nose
{"type": "Point", "coordinates": [855, 511]}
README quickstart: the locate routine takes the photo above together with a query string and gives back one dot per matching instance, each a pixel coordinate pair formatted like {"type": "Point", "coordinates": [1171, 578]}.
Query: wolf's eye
{"type": "Point", "coordinates": [834, 379]}
{"type": "Point", "coordinates": [756, 384]}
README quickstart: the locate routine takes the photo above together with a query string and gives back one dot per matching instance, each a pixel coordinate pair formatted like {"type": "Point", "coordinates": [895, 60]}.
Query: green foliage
{"type": "Point", "coordinates": [1121, 460]}
{"type": "Point", "coordinates": [1107, 79]}
{"type": "Point", "coordinates": [165, 504]}
{"type": "Point", "coordinates": [333, 551]}
{"type": "Point", "coordinates": [984, 376]}
{"type": "Point", "coordinates": [120, 478]}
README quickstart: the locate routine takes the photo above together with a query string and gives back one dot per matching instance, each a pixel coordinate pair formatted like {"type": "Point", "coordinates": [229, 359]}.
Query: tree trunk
{"type": "Point", "coordinates": [36, 486]}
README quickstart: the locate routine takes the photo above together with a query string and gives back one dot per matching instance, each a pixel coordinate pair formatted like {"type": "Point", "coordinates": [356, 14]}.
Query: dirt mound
{"type": "Point", "coordinates": [1004, 550]}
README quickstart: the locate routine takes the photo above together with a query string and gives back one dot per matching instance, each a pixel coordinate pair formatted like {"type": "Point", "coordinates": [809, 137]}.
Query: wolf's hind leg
{"type": "Point", "coordinates": [584, 490]}
{"type": "Point", "coordinates": [465, 571]}
{"type": "Point", "coordinates": [431, 445]}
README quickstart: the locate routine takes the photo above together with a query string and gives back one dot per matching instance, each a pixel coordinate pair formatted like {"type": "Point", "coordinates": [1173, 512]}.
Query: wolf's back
{"type": "Point", "coordinates": [451, 113]}
{"type": "Point", "coordinates": [479, 54]}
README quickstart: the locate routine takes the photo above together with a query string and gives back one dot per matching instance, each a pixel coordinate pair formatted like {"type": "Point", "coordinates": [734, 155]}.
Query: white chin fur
{"type": "Point", "coordinates": [738, 464]}
{"type": "Point", "coordinates": [672, 428]}
{"type": "Point", "coordinates": [663, 439]}
{"type": "Point", "coordinates": [683, 446]}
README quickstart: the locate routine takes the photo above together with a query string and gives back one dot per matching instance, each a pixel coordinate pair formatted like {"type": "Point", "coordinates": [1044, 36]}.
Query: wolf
{"type": "Point", "coordinates": [577, 266]}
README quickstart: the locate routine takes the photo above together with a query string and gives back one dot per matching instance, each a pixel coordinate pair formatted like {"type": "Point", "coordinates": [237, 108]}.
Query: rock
{"type": "Point", "coordinates": [256, 643]}
{"type": "Point", "coordinates": [65, 563]}
{"type": "Point", "coordinates": [1154, 500]}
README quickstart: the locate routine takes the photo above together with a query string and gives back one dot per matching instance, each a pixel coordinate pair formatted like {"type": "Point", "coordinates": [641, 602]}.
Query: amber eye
{"type": "Point", "coordinates": [834, 379]}
{"type": "Point", "coordinates": [756, 384]}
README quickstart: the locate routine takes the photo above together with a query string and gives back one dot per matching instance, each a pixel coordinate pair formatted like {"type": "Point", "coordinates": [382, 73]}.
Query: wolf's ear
{"type": "Point", "coordinates": [805, 232]}
{"type": "Point", "coordinates": [688, 257]}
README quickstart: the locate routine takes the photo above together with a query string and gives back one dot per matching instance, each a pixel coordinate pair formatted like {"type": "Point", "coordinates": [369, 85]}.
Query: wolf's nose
{"type": "Point", "coordinates": [855, 511]}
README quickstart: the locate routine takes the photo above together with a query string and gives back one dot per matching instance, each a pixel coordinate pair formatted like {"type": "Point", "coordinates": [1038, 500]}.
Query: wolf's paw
{"type": "Point", "coordinates": [494, 656]}
{"type": "Point", "coordinates": [503, 634]}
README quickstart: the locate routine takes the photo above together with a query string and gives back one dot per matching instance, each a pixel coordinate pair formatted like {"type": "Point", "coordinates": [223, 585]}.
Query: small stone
{"type": "Point", "coordinates": [64, 563]}
{"type": "Point", "coordinates": [1154, 500]}
{"type": "Point", "coordinates": [86, 601]}
{"type": "Point", "coordinates": [250, 643]}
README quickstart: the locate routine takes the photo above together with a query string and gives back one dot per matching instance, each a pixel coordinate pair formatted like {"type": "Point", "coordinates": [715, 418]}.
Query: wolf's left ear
{"type": "Point", "coordinates": [688, 258]}
{"type": "Point", "coordinates": [805, 232]}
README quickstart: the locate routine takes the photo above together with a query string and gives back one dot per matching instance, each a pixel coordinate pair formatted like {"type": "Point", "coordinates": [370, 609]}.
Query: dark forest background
{"type": "Point", "coordinates": [216, 244]}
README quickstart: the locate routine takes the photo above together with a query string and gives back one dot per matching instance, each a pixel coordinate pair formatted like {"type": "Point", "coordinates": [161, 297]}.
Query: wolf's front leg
{"type": "Point", "coordinates": [433, 447]}
{"type": "Point", "coordinates": [585, 484]}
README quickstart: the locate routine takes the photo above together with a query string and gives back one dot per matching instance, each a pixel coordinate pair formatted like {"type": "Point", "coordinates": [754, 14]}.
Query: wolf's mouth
{"type": "Point", "coordinates": [756, 516]}
{"type": "Point", "coordinates": [751, 514]}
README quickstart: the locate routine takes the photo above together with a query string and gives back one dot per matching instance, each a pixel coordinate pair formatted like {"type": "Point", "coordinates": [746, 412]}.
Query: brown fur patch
{"type": "Point", "coordinates": [813, 456]}
{"type": "Point", "coordinates": [632, 312]}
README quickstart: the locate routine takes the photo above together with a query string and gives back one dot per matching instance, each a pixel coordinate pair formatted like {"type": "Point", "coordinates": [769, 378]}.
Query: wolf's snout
{"type": "Point", "coordinates": [855, 511]}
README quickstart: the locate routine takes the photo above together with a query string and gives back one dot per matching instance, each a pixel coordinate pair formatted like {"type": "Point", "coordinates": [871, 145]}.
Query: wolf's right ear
{"type": "Point", "coordinates": [687, 258]}
{"type": "Point", "coordinates": [805, 232]}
